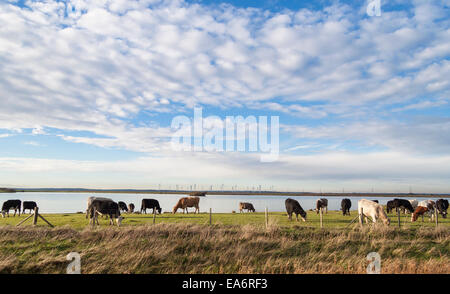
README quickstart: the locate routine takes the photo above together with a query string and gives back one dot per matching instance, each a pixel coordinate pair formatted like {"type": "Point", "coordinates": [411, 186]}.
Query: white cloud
{"type": "Point", "coordinates": [391, 171]}
{"type": "Point", "coordinates": [95, 65]}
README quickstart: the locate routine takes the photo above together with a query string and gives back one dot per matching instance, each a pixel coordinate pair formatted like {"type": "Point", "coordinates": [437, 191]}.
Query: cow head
{"type": "Point", "coordinates": [303, 215]}
{"type": "Point", "coordinates": [159, 210]}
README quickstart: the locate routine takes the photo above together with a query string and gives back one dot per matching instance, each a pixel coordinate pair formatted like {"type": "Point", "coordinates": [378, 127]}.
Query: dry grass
{"type": "Point", "coordinates": [187, 248]}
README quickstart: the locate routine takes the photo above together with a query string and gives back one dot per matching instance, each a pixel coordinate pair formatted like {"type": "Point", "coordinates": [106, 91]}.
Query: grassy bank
{"type": "Point", "coordinates": [192, 248]}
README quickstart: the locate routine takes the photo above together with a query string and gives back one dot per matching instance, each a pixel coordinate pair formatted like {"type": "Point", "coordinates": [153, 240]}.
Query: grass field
{"type": "Point", "coordinates": [235, 243]}
{"type": "Point", "coordinates": [332, 219]}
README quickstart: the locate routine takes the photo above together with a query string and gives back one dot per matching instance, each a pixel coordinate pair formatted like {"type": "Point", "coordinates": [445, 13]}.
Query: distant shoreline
{"type": "Point", "coordinates": [247, 193]}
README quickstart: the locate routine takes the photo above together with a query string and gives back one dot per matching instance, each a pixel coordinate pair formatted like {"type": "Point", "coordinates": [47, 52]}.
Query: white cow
{"type": "Point", "coordinates": [374, 210]}
{"type": "Point", "coordinates": [92, 198]}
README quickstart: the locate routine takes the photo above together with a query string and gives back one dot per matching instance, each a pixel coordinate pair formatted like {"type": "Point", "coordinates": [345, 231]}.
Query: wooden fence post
{"type": "Point", "coordinates": [436, 216]}
{"type": "Point", "coordinates": [154, 215]}
{"type": "Point", "coordinates": [361, 216]}
{"type": "Point", "coordinates": [398, 217]}
{"type": "Point", "coordinates": [94, 218]}
{"type": "Point", "coordinates": [210, 216]}
{"type": "Point", "coordinates": [267, 217]}
{"type": "Point", "coordinates": [36, 211]}
{"type": "Point", "coordinates": [321, 217]}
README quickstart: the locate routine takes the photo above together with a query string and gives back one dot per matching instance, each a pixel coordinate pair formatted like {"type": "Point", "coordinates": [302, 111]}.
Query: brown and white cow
{"type": "Point", "coordinates": [420, 211]}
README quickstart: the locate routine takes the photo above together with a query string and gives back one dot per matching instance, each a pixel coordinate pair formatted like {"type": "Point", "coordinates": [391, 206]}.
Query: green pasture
{"type": "Point", "coordinates": [332, 219]}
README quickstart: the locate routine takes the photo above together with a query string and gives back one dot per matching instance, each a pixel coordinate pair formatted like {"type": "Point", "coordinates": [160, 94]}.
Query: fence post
{"type": "Point", "coordinates": [398, 217]}
{"type": "Point", "coordinates": [321, 217]}
{"type": "Point", "coordinates": [436, 216]}
{"type": "Point", "coordinates": [361, 216]}
{"type": "Point", "coordinates": [36, 211]}
{"type": "Point", "coordinates": [95, 217]}
{"type": "Point", "coordinates": [210, 216]}
{"type": "Point", "coordinates": [267, 217]}
{"type": "Point", "coordinates": [154, 215]}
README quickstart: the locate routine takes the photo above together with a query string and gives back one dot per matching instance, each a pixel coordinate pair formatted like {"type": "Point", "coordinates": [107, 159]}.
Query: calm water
{"type": "Point", "coordinates": [74, 202]}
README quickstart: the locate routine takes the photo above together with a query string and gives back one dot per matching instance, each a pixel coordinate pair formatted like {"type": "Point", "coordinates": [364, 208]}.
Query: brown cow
{"type": "Point", "coordinates": [186, 202]}
{"type": "Point", "coordinates": [246, 205]}
{"type": "Point", "coordinates": [420, 210]}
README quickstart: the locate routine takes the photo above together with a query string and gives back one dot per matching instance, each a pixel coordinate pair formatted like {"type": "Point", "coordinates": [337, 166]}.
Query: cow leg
{"type": "Point", "coordinates": [366, 219]}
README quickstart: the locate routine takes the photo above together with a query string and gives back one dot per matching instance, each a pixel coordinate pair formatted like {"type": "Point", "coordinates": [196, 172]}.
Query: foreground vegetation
{"type": "Point", "coordinates": [235, 243]}
{"type": "Point", "coordinates": [193, 248]}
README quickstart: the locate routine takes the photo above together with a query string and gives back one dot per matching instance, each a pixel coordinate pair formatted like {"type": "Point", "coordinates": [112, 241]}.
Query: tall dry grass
{"type": "Point", "coordinates": [186, 248]}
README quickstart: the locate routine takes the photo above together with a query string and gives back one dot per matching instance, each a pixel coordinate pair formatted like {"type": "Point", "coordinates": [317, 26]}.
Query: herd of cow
{"type": "Point", "coordinates": [366, 208]}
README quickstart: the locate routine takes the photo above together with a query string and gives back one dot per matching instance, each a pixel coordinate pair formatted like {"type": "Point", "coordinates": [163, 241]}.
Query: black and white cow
{"type": "Point", "coordinates": [105, 207]}
{"type": "Point", "coordinates": [150, 204]}
{"type": "Point", "coordinates": [345, 206]}
{"type": "Point", "coordinates": [442, 206]}
{"type": "Point", "coordinates": [131, 208]}
{"type": "Point", "coordinates": [91, 199]}
{"type": "Point", "coordinates": [322, 203]}
{"type": "Point", "coordinates": [11, 204]}
{"type": "Point", "coordinates": [292, 206]}
{"type": "Point", "coordinates": [123, 206]}
{"type": "Point", "coordinates": [399, 204]}
{"type": "Point", "coordinates": [31, 205]}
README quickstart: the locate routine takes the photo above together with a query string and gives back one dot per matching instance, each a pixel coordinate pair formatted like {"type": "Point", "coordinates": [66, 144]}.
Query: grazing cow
{"type": "Point", "coordinates": [150, 204]}
{"type": "Point", "coordinates": [92, 198]}
{"type": "Point", "coordinates": [292, 206]}
{"type": "Point", "coordinates": [131, 208]}
{"type": "Point", "coordinates": [11, 204]}
{"type": "Point", "coordinates": [399, 204]}
{"type": "Point", "coordinates": [29, 205]}
{"type": "Point", "coordinates": [122, 206]}
{"type": "Point", "coordinates": [246, 205]}
{"type": "Point", "coordinates": [442, 206]}
{"type": "Point", "coordinates": [374, 210]}
{"type": "Point", "coordinates": [322, 203]}
{"type": "Point", "coordinates": [345, 206]}
{"type": "Point", "coordinates": [390, 206]}
{"type": "Point", "coordinates": [414, 204]}
{"type": "Point", "coordinates": [430, 205]}
{"type": "Point", "coordinates": [186, 202]}
{"type": "Point", "coordinates": [105, 207]}
{"type": "Point", "coordinates": [420, 210]}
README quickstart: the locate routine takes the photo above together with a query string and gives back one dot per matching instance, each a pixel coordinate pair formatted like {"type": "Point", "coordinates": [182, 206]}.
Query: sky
{"type": "Point", "coordinates": [89, 91]}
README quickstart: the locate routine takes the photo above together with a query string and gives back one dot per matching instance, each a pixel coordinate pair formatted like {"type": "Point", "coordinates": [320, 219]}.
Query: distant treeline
{"type": "Point", "coordinates": [7, 190]}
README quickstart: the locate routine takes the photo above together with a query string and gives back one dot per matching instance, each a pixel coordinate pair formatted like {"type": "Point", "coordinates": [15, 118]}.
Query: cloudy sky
{"type": "Point", "coordinates": [89, 89]}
